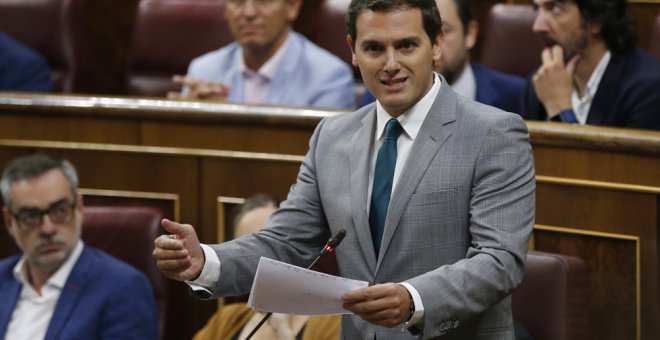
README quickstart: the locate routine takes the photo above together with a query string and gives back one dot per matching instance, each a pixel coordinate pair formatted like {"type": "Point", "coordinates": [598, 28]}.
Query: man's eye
{"type": "Point", "coordinates": [29, 216]}
{"type": "Point", "coordinates": [58, 210]}
{"type": "Point", "coordinates": [406, 45]}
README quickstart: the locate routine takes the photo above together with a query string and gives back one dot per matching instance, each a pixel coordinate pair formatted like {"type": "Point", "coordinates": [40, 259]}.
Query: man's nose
{"type": "Point", "coordinates": [47, 226]}
{"type": "Point", "coordinates": [540, 23]}
{"type": "Point", "coordinates": [392, 61]}
{"type": "Point", "coordinates": [250, 8]}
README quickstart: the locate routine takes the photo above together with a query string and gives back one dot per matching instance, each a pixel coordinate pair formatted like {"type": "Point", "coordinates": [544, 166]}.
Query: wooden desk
{"type": "Point", "coordinates": [157, 122]}
{"type": "Point", "coordinates": [598, 189]}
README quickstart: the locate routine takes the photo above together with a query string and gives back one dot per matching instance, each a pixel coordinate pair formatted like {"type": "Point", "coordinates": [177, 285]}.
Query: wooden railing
{"type": "Point", "coordinates": [598, 189]}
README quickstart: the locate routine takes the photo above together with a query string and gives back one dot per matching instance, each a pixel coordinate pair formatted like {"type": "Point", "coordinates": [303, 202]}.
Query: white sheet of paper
{"type": "Point", "coordinates": [283, 288]}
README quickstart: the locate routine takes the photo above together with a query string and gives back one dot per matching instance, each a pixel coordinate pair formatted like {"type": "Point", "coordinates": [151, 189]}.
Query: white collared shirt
{"type": "Point", "coordinates": [466, 84]}
{"type": "Point", "coordinates": [581, 106]}
{"type": "Point", "coordinates": [257, 83]}
{"type": "Point", "coordinates": [33, 311]}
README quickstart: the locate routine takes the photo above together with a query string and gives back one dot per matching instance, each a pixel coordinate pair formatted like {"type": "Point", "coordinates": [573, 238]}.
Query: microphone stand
{"type": "Point", "coordinates": [327, 249]}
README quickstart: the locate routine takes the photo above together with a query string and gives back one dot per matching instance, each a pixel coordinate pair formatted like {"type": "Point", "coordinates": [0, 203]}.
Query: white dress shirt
{"type": "Point", "coordinates": [466, 84]}
{"type": "Point", "coordinates": [33, 311]}
{"type": "Point", "coordinates": [581, 106]}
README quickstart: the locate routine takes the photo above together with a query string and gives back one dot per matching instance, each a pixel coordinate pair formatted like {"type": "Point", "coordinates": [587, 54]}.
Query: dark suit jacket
{"type": "Point", "coordinates": [21, 69]}
{"type": "Point", "coordinates": [494, 88]}
{"type": "Point", "coordinates": [627, 96]}
{"type": "Point", "coordinates": [103, 299]}
{"type": "Point", "coordinates": [498, 89]}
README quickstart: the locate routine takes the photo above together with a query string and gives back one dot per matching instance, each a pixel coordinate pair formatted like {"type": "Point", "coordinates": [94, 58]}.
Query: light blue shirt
{"type": "Point", "coordinates": [307, 75]}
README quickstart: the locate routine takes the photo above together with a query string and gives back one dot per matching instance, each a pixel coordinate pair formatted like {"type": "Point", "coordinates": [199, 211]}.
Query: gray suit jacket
{"type": "Point", "coordinates": [457, 226]}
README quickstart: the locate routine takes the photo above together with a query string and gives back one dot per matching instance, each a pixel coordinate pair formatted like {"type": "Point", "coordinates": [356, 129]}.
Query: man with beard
{"type": "Point", "coordinates": [59, 288]}
{"type": "Point", "coordinates": [470, 79]}
{"type": "Point", "coordinates": [591, 71]}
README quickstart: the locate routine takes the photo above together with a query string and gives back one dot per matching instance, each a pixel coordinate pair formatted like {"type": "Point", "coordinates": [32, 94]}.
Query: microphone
{"type": "Point", "coordinates": [328, 248]}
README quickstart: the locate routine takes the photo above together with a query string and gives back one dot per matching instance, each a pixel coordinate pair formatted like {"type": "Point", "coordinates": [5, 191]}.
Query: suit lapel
{"type": "Point", "coordinates": [604, 99]}
{"type": "Point", "coordinates": [235, 78]}
{"type": "Point", "coordinates": [485, 88]}
{"type": "Point", "coordinates": [277, 93]}
{"type": "Point", "coordinates": [361, 144]}
{"type": "Point", "coordinates": [70, 294]}
{"type": "Point", "coordinates": [431, 136]}
{"type": "Point", "coordinates": [9, 292]}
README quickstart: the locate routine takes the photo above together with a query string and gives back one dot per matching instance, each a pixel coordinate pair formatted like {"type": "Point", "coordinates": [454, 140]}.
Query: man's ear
{"type": "Point", "coordinates": [7, 219]}
{"type": "Point", "coordinates": [293, 9]}
{"type": "Point", "coordinates": [595, 28]}
{"type": "Point", "coordinates": [437, 45]}
{"type": "Point", "coordinates": [79, 202]}
{"type": "Point", "coordinates": [471, 33]}
{"type": "Point", "coordinates": [349, 41]}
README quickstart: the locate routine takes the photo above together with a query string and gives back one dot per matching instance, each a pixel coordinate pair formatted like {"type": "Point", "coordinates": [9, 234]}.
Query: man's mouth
{"type": "Point", "coordinates": [49, 247]}
{"type": "Point", "coordinates": [393, 82]}
{"type": "Point", "coordinates": [548, 41]}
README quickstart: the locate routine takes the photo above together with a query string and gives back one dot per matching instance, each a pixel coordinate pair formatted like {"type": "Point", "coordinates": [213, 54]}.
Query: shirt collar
{"type": "Point", "coordinates": [597, 75]}
{"type": "Point", "coordinates": [58, 279]}
{"type": "Point", "coordinates": [466, 84]}
{"type": "Point", "coordinates": [412, 120]}
{"type": "Point", "coordinates": [268, 69]}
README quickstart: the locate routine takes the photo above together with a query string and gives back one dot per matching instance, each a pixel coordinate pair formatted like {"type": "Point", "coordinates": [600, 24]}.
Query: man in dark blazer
{"type": "Point", "coordinates": [470, 79]}
{"type": "Point", "coordinates": [435, 192]}
{"type": "Point", "coordinates": [59, 288]}
{"type": "Point", "coordinates": [22, 69]}
{"type": "Point", "coordinates": [592, 73]}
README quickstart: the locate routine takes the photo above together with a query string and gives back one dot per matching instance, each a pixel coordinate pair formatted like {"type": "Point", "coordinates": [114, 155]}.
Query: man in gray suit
{"type": "Point", "coordinates": [445, 252]}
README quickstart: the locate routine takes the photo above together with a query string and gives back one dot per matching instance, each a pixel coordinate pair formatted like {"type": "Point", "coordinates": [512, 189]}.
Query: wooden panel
{"type": "Point", "coordinates": [597, 165]}
{"type": "Point", "coordinates": [597, 207]}
{"type": "Point", "coordinates": [24, 125]}
{"type": "Point", "coordinates": [225, 209]}
{"type": "Point", "coordinates": [167, 202]}
{"type": "Point", "coordinates": [228, 136]}
{"type": "Point", "coordinates": [613, 278]}
{"type": "Point", "coordinates": [241, 178]}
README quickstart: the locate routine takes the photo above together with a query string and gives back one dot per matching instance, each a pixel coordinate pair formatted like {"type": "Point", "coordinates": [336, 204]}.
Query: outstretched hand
{"type": "Point", "coordinates": [385, 305]}
{"type": "Point", "coordinates": [199, 89]}
{"type": "Point", "coordinates": [179, 254]}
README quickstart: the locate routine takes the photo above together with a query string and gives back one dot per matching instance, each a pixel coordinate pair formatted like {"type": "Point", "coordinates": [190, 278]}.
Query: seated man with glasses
{"type": "Point", "coordinates": [59, 288]}
{"type": "Point", "coordinates": [268, 63]}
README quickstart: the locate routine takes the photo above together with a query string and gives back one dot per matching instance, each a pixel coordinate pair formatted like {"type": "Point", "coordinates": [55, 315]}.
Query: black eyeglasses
{"type": "Point", "coordinates": [59, 213]}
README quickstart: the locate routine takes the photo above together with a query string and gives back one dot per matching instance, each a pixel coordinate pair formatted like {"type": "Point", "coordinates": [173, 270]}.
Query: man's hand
{"type": "Point", "coordinates": [199, 89]}
{"type": "Point", "coordinates": [385, 305]}
{"type": "Point", "coordinates": [179, 255]}
{"type": "Point", "coordinates": [553, 82]}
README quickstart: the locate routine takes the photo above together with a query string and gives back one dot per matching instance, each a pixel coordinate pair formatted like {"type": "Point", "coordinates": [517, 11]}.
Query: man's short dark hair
{"type": "Point", "coordinates": [430, 14]}
{"type": "Point", "coordinates": [32, 166]}
{"type": "Point", "coordinates": [251, 203]}
{"type": "Point", "coordinates": [617, 28]}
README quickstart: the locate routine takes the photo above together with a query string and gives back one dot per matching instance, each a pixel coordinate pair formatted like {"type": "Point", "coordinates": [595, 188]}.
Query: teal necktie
{"type": "Point", "coordinates": [382, 187]}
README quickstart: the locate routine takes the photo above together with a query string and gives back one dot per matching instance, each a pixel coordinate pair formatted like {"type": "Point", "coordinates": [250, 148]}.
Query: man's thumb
{"type": "Point", "coordinates": [174, 228]}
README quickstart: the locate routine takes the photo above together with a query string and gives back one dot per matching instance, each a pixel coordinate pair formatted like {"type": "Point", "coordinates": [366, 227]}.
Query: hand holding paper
{"type": "Point", "coordinates": [283, 288]}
